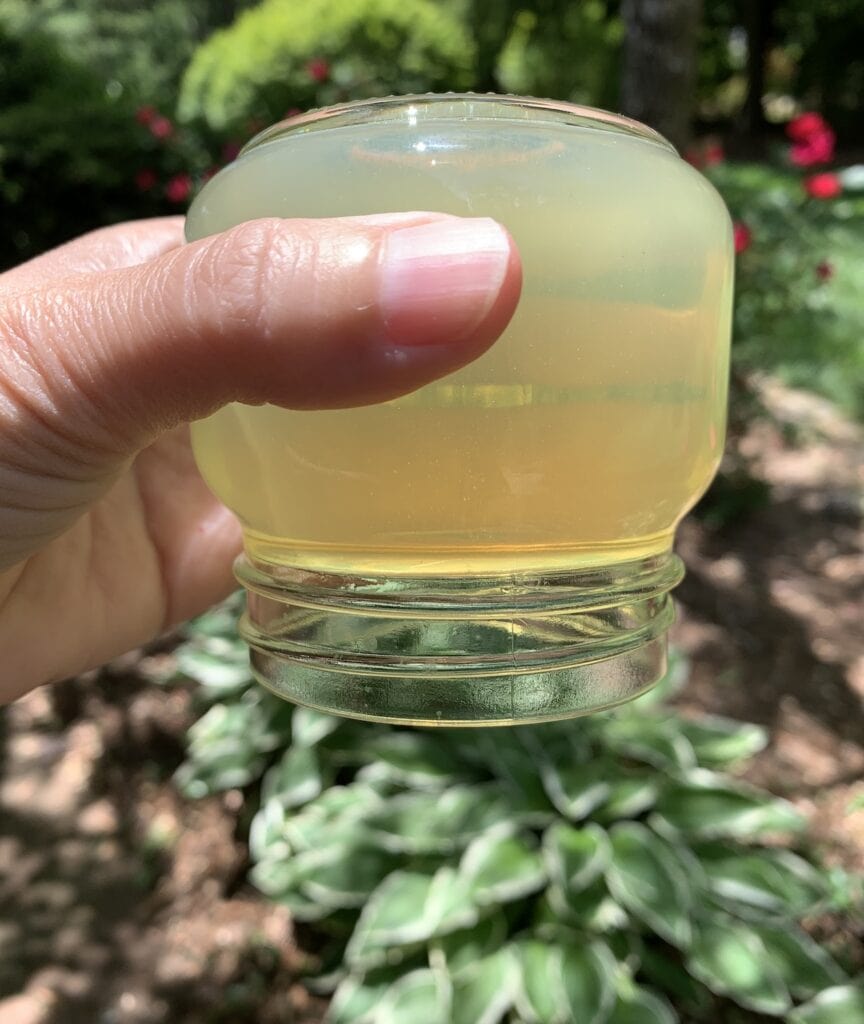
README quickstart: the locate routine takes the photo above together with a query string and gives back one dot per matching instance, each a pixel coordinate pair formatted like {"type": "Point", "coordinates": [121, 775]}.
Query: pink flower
{"type": "Point", "coordinates": [161, 128]}
{"type": "Point", "coordinates": [741, 235]}
{"type": "Point", "coordinates": [145, 179]}
{"type": "Point", "coordinates": [178, 188]}
{"type": "Point", "coordinates": [817, 149]}
{"type": "Point", "coordinates": [230, 151]}
{"type": "Point", "coordinates": [318, 69]}
{"type": "Point", "coordinates": [823, 186]}
{"type": "Point", "coordinates": [805, 126]}
{"type": "Point", "coordinates": [824, 270]}
{"type": "Point", "coordinates": [713, 154]}
{"type": "Point", "coordinates": [145, 114]}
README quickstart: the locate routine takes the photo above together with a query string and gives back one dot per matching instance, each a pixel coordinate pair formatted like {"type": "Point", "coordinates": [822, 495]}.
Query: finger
{"type": "Point", "coordinates": [121, 245]}
{"type": "Point", "coordinates": [303, 314]}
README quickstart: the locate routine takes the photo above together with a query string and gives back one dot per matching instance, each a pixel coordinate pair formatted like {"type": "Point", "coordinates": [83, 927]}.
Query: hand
{"type": "Point", "coordinates": [111, 344]}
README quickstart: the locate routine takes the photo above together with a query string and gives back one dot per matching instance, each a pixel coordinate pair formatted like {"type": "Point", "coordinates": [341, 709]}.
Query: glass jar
{"type": "Point", "coordinates": [497, 546]}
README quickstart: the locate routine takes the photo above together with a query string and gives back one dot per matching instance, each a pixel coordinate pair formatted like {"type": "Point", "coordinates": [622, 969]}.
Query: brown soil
{"type": "Point", "coordinates": [120, 903]}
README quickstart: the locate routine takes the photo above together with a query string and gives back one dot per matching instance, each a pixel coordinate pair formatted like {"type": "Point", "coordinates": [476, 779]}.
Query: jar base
{"type": "Point", "coordinates": [460, 651]}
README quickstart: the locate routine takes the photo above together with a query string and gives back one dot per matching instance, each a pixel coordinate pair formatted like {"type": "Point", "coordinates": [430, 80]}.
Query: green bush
{"type": "Point", "coordinates": [280, 56]}
{"type": "Point", "coordinates": [798, 310]}
{"type": "Point", "coordinates": [601, 870]}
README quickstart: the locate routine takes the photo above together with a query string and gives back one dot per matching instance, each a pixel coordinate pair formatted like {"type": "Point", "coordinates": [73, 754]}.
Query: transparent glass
{"type": "Point", "coordinates": [496, 547]}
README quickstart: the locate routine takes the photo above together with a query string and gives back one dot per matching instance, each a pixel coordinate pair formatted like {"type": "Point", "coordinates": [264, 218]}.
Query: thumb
{"type": "Point", "coordinates": [300, 313]}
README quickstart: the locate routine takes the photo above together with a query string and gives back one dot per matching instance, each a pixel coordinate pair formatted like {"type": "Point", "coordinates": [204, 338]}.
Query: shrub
{"type": "Point", "coordinates": [279, 56]}
{"type": "Point", "coordinates": [603, 869]}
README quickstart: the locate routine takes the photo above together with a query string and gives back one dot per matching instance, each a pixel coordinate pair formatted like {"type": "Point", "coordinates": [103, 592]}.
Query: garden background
{"type": "Point", "coordinates": [178, 848]}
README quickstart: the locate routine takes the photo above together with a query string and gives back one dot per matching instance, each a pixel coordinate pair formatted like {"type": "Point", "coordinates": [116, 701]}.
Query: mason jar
{"type": "Point", "coordinates": [495, 547]}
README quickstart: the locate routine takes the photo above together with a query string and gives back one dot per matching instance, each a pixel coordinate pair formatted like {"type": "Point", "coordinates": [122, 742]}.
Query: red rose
{"type": "Point", "coordinates": [161, 128]}
{"type": "Point", "coordinates": [145, 179]}
{"type": "Point", "coordinates": [318, 69]}
{"type": "Point", "coordinates": [817, 149]}
{"type": "Point", "coordinates": [145, 114]}
{"type": "Point", "coordinates": [803, 127]}
{"type": "Point", "coordinates": [178, 188]}
{"type": "Point", "coordinates": [824, 270]}
{"type": "Point", "coordinates": [741, 235]}
{"type": "Point", "coordinates": [713, 154]}
{"type": "Point", "coordinates": [823, 186]}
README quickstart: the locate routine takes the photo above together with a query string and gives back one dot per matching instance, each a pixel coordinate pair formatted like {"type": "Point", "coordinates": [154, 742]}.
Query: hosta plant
{"type": "Point", "coordinates": [599, 871]}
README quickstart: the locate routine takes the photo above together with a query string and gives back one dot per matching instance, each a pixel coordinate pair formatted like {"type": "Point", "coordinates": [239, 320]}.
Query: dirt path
{"type": "Point", "coordinates": [121, 904]}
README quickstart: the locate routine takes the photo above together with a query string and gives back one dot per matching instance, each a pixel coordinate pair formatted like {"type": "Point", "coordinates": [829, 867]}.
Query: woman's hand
{"type": "Point", "coordinates": [111, 344]}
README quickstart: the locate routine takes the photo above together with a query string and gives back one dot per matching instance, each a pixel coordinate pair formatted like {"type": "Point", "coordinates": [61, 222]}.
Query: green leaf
{"type": "Point", "coordinates": [414, 758]}
{"type": "Point", "coordinates": [228, 745]}
{"type": "Point", "coordinates": [416, 996]}
{"type": "Point", "coordinates": [640, 1006]}
{"type": "Point", "coordinates": [668, 974]}
{"type": "Point", "coordinates": [772, 880]}
{"type": "Point", "coordinates": [514, 757]}
{"type": "Point", "coordinates": [431, 822]}
{"type": "Point", "coordinates": [485, 993]}
{"type": "Point", "coordinates": [344, 876]}
{"type": "Point", "coordinates": [500, 867]}
{"type": "Point", "coordinates": [628, 798]}
{"type": "Point", "coordinates": [588, 975]}
{"type": "Point", "coordinates": [295, 779]}
{"type": "Point", "coordinates": [461, 950]}
{"type": "Point", "coordinates": [267, 832]}
{"type": "Point", "coordinates": [357, 995]}
{"type": "Point", "coordinates": [539, 998]}
{"type": "Point", "coordinates": [708, 805]}
{"type": "Point", "coordinates": [339, 813]}
{"type": "Point", "coordinates": [561, 984]}
{"type": "Point", "coordinates": [801, 963]}
{"type": "Point", "coordinates": [309, 727]}
{"type": "Point", "coordinates": [731, 961]}
{"type": "Point", "coordinates": [591, 908]}
{"type": "Point", "coordinates": [409, 908]}
{"type": "Point", "coordinates": [653, 740]}
{"type": "Point", "coordinates": [575, 857]}
{"type": "Point", "coordinates": [843, 1004]}
{"type": "Point", "coordinates": [720, 742]}
{"type": "Point", "coordinates": [647, 878]}
{"type": "Point", "coordinates": [575, 789]}
{"type": "Point", "coordinates": [217, 664]}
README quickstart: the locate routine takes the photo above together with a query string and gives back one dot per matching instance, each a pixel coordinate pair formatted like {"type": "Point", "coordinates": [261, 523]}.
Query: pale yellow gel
{"type": "Point", "coordinates": [579, 439]}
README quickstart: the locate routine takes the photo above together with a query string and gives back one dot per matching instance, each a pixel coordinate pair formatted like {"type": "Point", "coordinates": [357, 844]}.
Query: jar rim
{"type": "Point", "coordinates": [421, 107]}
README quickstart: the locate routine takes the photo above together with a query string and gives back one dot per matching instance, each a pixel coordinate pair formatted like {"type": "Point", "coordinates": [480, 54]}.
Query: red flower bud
{"type": "Point", "coordinates": [178, 188]}
{"type": "Point", "coordinates": [145, 114]}
{"type": "Point", "coordinates": [161, 128]}
{"type": "Point", "coordinates": [823, 186]}
{"type": "Point", "coordinates": [713, 154]}
{"type": "Point", "coordinates": [824, 270]}
{"type": "Point", "coordinates": [318, 69]}
{"type": "Point", "coordinates": [741, 235]}
{"type": "Point", "coordinates": [145, 179]}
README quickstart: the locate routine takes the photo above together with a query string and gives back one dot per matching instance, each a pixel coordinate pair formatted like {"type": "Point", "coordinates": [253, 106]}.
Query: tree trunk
{"type": "Point", "coordinates": [759, 23]}
{"type": "Point", "coordinates": [658, 81]}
